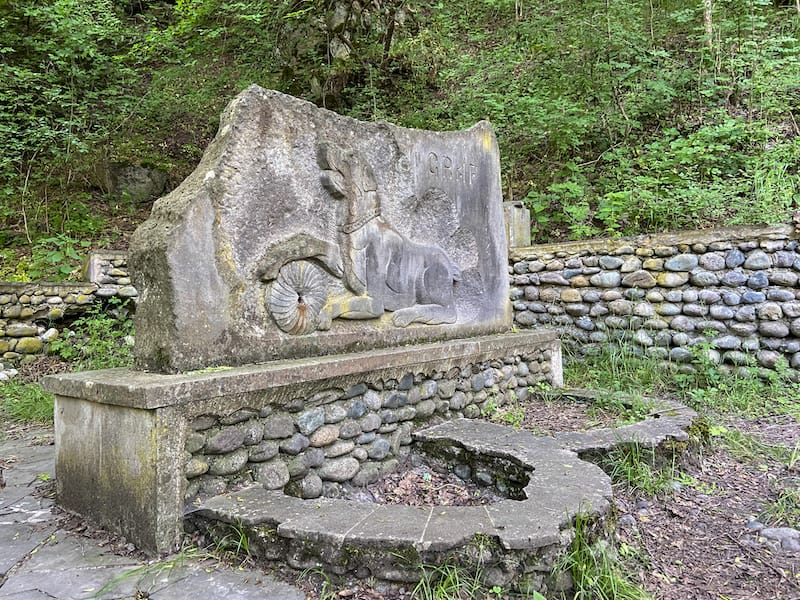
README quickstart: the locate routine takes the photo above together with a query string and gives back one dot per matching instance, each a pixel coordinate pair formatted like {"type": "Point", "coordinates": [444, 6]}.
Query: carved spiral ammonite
{"type": "Point", "coordinates": [297, 297]}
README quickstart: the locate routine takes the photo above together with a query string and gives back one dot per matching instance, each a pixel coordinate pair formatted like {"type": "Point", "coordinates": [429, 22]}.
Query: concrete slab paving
{"type": "Point", "coordinates": [40, 560]}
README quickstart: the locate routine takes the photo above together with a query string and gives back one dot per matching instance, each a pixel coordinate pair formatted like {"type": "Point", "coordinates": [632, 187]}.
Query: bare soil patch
{"type": "Point", "coordinates": [420, 482]}
{"type": "Point", "coordinates": [697, 542]}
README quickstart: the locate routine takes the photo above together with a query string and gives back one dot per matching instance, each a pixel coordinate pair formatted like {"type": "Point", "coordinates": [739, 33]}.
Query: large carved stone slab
{"type": "Point", "coordinates": [303, 232]}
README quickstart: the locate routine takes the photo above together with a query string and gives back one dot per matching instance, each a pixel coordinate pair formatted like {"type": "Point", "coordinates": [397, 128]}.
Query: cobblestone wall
{"type": "Point", "coordinates": [733, 290]}
{"type": "Point", "coordinates": [32, 314]}
{"type": "Point", "coordinates": [311, 448]}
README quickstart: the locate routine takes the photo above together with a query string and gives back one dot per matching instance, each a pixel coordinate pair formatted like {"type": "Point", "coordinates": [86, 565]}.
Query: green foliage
{"type": "Point", "coordinates": [62, 86]}
{"type": "Point", "coordinates": [26, 402]}
{"type": "Point", "coordinates": [784, 510]}
{"type": "Point", "coordinates": [628, 408]}
{"type": "Point", "coordinates": [446, 582]}
{"type": "Point", "coordinates": [234, 543]}
{"type": "Point", "coordinates": [613, 118]}
{"type": "Point", "coordinates": [100, 339]}
{"type": "Point", "coordinates": [595, 568]}
{"type": "Point", "coordinates": [56, 258]}
{"type": "Point", "coordinates": [616, 368]}
{"type": "Point", "coordinates": [748, 391]}
{"type": "Point", "coordinates": [639, 468]}
{"type": "Point", "coordinates": [707, 385]}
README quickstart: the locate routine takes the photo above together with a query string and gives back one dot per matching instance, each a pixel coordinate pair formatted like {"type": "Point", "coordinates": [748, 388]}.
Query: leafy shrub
{"type": "Point", "coordinates": [101, 339]}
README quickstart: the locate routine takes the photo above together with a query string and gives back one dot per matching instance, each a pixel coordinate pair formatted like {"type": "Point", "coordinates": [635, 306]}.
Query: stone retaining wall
{"type": "Point", "coordinates": [313, 445]}
{"type": "Point", "coordinates": [32, 314]}
{"type": "Point", "coordinates": [732, 290]}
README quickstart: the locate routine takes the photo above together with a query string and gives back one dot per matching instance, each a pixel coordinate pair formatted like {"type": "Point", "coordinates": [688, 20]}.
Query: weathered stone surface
{"type": "Point", "coordinates": [277, 221]}
{"type": "Point", "coordinates": [769, 311]}
{"type": "Point", "coordinates": [324, 435]}
{"type": "Point", "coordinates": [721, 312]}
{"type": "Point", "coordinates": [339, 469]}
{"type": "Point", "coordinates": [704, 278]}
{"type": "Point", "coordinates": [776, 329]}
{"type": "Point", "coordinates": [311, 420]}
{"type": "Point", "coordinates": [733, 278]}
{"type": "Point", "coordinates": [668, 309]}
{"type": "Point", "coordinates": [672, 279]}
{"type": "Point", "coordinates": [272, 475]}
{"type": "Point", "coordinates": [29, 345]}
{"type": "Point", "coordinates": [758, 280]}
{"type": "Point", "coordinates": [227, 464]}
{"type": "Point", "coordinates": [339, 448]}
{"type": "Point", "coordinates": [295, 444]}
{"type": "Point", "coordinates": [196, 467]}
{"type": "Point", "coordinates": [610, 262]}
{"type": "Point", "coordinates": [734, 258]}
{"type": "Point", "coordinates": [727, 342]}
{"type": "Point", "coordinates": [349, 429]}
{"type": "Point", "coordinates": [681, 262]}
{"type": "Point", "coordinates": [712, 261]}
{"type": "Point", "coordinates": [307, 488]}
{"type": "Point", "coordinates": [639, 279]}
{"type": "Point", "coordinates": [263, 451]}
{"type": "Point", "coordinates": [21, 330]}
{"type": "Point", "coordinates": [757, 260]}
{"type": "Point", "coordinates": [278, 425]}
{"type": "Point", "coordinates": [227, 440]}
{"type": "Point", "coordinates": [334, 413]}
{"type": "Point", "coordinates": [608, 279]}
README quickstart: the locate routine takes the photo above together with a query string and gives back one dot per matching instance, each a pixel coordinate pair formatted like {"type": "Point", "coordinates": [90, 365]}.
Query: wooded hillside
{"type": "Point", "coordinates": [613, 117]}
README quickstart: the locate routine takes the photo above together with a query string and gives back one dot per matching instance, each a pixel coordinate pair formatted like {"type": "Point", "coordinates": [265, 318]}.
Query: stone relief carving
{"type": "Point", "coordinates": [378, 269]}
{"type": "Point", "coordinates": [298, 296]}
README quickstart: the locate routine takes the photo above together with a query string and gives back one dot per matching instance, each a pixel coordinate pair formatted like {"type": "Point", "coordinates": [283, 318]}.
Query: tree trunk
{"type": "Point", "coordinates": [708, 22]}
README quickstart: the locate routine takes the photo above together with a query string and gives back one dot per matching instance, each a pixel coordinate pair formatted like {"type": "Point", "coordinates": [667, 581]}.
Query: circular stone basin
{"type": "Point", "coordinates": [521, 535]}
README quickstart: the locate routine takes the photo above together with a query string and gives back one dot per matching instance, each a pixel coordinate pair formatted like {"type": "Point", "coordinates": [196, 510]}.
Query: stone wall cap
{"type": "Point", "coordinates": [743, 233]}
{"type": "Point", "coordinates": [141, 389]}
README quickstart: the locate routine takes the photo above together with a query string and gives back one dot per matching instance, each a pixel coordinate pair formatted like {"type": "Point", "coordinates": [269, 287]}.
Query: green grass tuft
{"type": "Point", "coordinates": [26, 402]}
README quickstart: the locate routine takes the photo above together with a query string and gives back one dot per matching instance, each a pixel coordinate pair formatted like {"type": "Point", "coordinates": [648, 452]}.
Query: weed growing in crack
{"type": "Point", "coordinates": [321, 580]}
{"type": "Point", "coordinates": [144, 578]}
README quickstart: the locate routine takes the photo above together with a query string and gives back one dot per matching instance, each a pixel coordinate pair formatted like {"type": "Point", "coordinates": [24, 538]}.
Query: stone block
{"type": "Point", "coordinates": [303, 233]}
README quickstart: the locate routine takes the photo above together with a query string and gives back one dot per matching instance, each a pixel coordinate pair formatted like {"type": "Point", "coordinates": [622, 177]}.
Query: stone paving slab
{"type": "Point", "coordinates": [39, 560]}
{"type": "Point", "coordinates": [388, 526]}
{"type": "Point", "coordinates": [252, 506]}
{"type": "Point", "coordinates": [454, 526]}
{"type": "Point", "coordinates": [325, 520]}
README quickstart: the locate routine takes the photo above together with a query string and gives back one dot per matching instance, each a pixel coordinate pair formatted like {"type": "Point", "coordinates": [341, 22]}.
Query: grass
{"type": "Point", "coordinates": [446, 582]}
{"type": "Point", "coordinates": [707, 387]}
{"type": "Point", "coordinates": [784, 511]}
{"type": "Point", "coordinates": [640, 468]}
{"type": "Point", "coordinates": [26, 402]}
{"type": "Point", "coordinates": [595, 568]}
